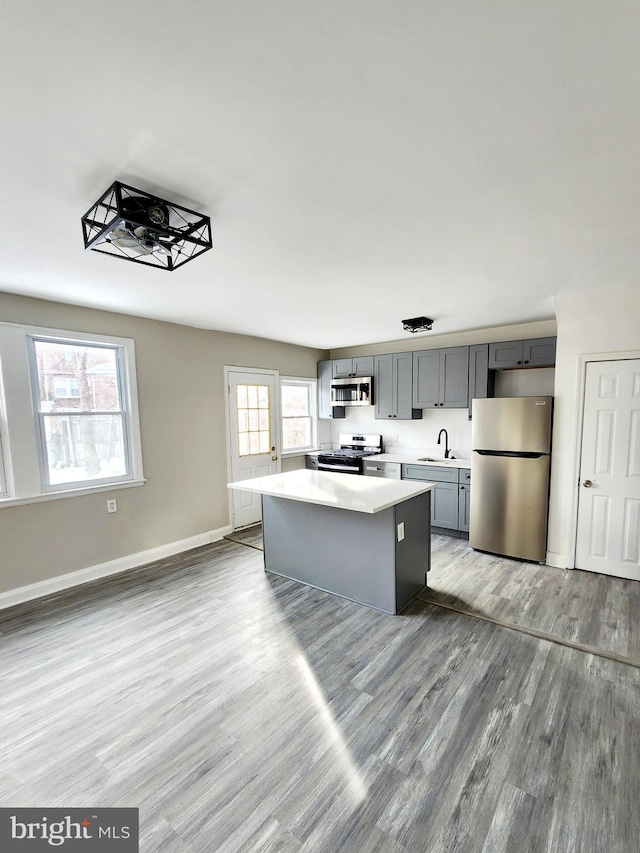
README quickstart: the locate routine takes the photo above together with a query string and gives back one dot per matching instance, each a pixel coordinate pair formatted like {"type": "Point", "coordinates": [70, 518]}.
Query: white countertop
{"type": "Point", "coordinates": [414, 459]}
{"type": "Point", "coordinates": [343, 491]}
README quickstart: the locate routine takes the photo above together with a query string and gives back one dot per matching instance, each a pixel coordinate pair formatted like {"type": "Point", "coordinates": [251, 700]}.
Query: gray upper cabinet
{"type": "Point", "coordinates": [441, 378]}
{"type": "Point", "coordinates": [426, 378]}
{"type": "Point", "coordinates": [536, 352]}
{"type": "Point", "coordinates": [454, 377]}
{"type": "Point", "coordinates": [481, 379]}
{"type": "Point", "coordinates": [383, 383]}
{"type": "Point", "coordinates": [325, 409]}
{"type": "Point", "coordinates": [392, 386]}
{"type": "Point", "coordinates": [361, 365]}
{"type": "Point", "coordinates": [342, 368]}
{"type": "Point", "coordinates": [540, 352]}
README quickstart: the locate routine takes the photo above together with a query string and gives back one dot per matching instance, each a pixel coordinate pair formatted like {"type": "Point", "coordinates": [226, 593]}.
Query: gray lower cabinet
{"type": "Point", "coordinates": [441, 378]}
{"type": "Point", "coordinates": [535, 352]}
{"type": "Point", "coordinates": [325, 409]}
{"type": "Point", "coordinates": [361, 365]}
{"type": "Point", "coordinates": [392, 389]}
{"type": "Point", "coordinates": [464, 501]}
{"type": "Point", "coordinates": [450, 500]}
{"type": "Point", "coordinates": [444, 506]}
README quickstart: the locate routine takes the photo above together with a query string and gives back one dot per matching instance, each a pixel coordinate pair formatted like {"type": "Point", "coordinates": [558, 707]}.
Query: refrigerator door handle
{"type": "Point", "coordinates": [516, 454]}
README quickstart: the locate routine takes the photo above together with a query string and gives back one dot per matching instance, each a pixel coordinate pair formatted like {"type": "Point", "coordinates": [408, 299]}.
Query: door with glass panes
{"type": "Point", "coordinates": [252, 438]}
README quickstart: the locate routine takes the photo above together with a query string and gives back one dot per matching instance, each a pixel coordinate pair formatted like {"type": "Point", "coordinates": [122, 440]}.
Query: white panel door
{"type": "Point", "coordinates": [609, 498]}
{"type": "Point", "coordinates": [252, 436]}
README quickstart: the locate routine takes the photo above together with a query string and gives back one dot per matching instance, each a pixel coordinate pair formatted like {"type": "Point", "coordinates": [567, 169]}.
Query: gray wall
{"type": "Point", "coordinates": [182, 414]}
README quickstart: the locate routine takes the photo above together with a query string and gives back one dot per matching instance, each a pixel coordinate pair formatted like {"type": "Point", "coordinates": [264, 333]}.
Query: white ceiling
{"type": "Point", "coordinates": [463, 160]}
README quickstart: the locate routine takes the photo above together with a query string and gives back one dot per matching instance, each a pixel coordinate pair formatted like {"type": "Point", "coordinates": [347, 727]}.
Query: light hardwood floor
{"type": "Point", "coordinates": [244, 712]}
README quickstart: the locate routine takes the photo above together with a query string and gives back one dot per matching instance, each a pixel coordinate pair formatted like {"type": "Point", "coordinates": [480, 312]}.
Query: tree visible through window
{"type": "Point", "coordinates": [80, 411]}
{"type": "Point", "coordinates": [298, 414]}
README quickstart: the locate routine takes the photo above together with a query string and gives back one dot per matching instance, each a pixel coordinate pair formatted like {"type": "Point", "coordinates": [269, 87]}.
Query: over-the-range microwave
{"type": "Point", "coordinates": [356, 391]}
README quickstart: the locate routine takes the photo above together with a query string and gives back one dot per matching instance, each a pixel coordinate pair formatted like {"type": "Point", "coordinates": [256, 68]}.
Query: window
{"type": "Point", "coordinates": [252, 405]}
{"type": "Point", "coordinates": [75, 426]}
{"type": "Point", "coordinates": [298, 414]}
{"type": "Point", "coordinates": [81, 419]}
{"type": "Point", "coordinates": [65, 386]}
{"type": "Point", "coordinates": [3, 480]}
{"type": "Point", "coordinates": [3, 431]}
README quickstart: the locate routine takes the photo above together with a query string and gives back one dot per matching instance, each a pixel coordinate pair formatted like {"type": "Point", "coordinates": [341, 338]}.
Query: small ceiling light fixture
{"type": "Point", "coordinates": [137, 226]}
{"type": "Point", "coordinates": [417, 324]}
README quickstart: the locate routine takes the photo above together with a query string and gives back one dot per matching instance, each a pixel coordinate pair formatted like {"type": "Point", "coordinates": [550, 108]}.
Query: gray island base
{"type": "Point", "coordinates": [350, 554]}
{"type": "Point", "coordinates": [362, 538]}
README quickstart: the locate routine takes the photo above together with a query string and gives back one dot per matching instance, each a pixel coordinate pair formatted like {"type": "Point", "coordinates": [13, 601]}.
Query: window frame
{"type": "Point", "coordinates": [4, 489]}
{"type": "Point", "coordinates": [25, 454]}
{"type": "Point", "coordinates": [311, 384]}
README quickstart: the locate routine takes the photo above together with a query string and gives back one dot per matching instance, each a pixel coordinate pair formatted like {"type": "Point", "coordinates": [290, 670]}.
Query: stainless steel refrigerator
{"type": "Point", "coordinates": [511, 445]}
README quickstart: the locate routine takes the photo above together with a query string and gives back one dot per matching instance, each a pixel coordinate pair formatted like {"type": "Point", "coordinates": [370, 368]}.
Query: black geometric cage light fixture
{"type": "Point", "coordinates": [138, 226]}
{"type": "Point", "coordinates": [417, 324]}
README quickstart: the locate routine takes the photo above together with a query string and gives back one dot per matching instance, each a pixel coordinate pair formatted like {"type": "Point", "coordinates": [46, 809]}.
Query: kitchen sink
{"type": "Point", "coordinates": [429, 459]}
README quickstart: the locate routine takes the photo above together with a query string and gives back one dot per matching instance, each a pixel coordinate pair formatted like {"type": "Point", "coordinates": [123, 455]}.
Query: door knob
{"type": "Point", "coordinates": [273, 458]}
{"type": "Point", "coordinates": [587, 484]}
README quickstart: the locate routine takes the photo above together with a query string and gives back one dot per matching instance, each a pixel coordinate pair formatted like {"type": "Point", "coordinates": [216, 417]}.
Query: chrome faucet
{"type": "Point", "coordinates": [446, 442]}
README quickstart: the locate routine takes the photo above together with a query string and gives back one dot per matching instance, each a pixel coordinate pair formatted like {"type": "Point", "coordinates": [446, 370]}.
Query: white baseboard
{"type": "Point", "coordinates": [113, 567]}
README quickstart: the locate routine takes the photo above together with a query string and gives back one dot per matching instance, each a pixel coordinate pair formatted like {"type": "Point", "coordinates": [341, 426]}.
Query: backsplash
{"type": "Point", "coordinates": [421, 435]}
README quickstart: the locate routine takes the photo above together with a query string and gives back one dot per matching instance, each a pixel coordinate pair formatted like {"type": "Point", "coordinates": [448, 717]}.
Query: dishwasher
{"type": "Point", "coordinates": [390, 470]}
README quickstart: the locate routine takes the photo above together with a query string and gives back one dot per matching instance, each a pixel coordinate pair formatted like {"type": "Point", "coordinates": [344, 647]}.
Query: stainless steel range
{"type": "Point", "coordinates": [348, 458]}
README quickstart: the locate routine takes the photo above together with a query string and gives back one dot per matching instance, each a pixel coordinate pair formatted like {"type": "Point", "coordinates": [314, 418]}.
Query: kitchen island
{"type": "Point", "coordinates": [365, 539]}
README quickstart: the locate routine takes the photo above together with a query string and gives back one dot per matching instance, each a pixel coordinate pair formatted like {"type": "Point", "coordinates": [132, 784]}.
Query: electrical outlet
{"type": "Point", "coordinates": [112, 505]}
{"type": "Point", "coordinates": [401, 531]}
